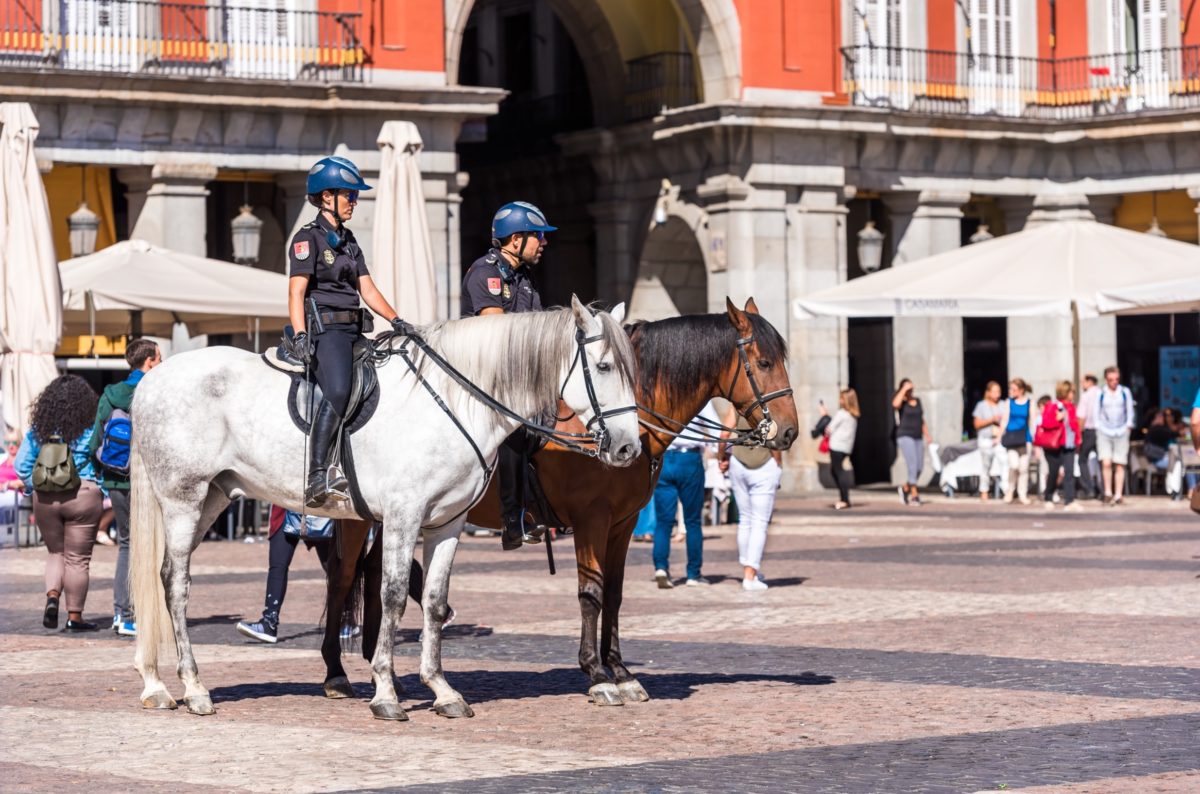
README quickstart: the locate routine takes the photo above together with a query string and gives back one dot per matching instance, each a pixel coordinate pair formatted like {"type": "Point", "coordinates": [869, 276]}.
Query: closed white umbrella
{"type": "Point", "coordinates": [169, 287]}
{"type": "Point", "coordinates": [403, 266]}
{"type": "Point", "coordinates": [30, 303]}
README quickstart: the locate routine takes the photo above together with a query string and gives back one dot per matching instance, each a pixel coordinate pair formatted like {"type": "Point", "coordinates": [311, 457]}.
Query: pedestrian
{"type": "Point", "coordinates": [55, 466]}
{"type": "Point", "coordinates": [841, 433]}
{"type": "Point", "coordinates": [754, 474]}
{"type": "Point", "coordinates": [501, 282]}
{"type": "Point", "coordinates": [1059, 438]}
{"type": "Point", "coordinates": [1037, 455]}
{"type": "Point", "coordinates": [1089, 405]}
{"type": "Point", "coordinates": [109, 445]}
{"type": "Point", "coordinates": [1017, 422]}
{"type": "Point", "coordinates": [328, 277]}
{"type": "Point", "coordinates": [987, 418]}
{"type": "Point", "coordinates": [643, 532]}
{"type": "Point", "coordinates": [911, 436]}
{"type": "Point", "coordinates": [1161, 448]}
{"type": "Point", "coordinates": [1115, 419]}
{"type": "Point", "coordinates": [681, 481]}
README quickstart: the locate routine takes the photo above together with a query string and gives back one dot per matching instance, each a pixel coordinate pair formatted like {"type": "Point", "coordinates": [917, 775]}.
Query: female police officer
{"type": "Point", "coordinates": [328, 274]}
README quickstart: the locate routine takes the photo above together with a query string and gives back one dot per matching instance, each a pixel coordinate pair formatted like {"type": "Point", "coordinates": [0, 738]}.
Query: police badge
{"type": "Point", "coordinates": [329, 256]}
{"type": "Point", "coordinates": [300, 250]}
{"type": "Point", "coordinates": [493, 286]}
{"type": "Point", "coordinates": [507, 292]}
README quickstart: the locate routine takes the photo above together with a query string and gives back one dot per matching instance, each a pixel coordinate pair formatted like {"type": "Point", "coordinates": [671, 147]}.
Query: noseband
{"type": "Point", "coordinates": [600, 435]}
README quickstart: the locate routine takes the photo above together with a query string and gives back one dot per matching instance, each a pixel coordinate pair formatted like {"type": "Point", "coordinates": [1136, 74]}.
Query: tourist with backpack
{"type": "Point", "coordinates": [56, 467]}
{"type": "Point", "coordinates": [109, 448]}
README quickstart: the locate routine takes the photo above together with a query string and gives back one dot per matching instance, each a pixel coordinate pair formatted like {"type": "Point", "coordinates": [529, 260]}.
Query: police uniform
{"type": "Point", "coordinates": [333, 271]}
{"type": "Point", "coordinates": [491, 282]}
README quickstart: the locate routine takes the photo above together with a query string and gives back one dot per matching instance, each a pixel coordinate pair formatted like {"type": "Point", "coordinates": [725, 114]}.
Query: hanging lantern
{"type": "Point", "coordinates": [247, 236]}
{"type": "Point", "coordinates": [870, 248]}
{"type": "Point", "coordinates": [981, 235]}
{"type": "Point", "coordinates": [83, 225]}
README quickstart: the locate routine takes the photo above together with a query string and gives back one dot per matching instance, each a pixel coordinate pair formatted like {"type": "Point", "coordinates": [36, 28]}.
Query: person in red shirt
{"type": "Point", "coordinates": [1061, 436]}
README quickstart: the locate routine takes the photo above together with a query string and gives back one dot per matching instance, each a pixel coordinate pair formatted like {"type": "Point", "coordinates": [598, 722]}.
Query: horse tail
{"type": "Point", "coordinates": [147, 547]}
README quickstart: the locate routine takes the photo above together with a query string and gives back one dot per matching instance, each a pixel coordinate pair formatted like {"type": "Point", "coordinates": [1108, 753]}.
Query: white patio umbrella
{"type": "Point", "coordinates": [403, 265]}
{"type": "Point", "coordinates": [1181, 296]}
{"type": "Point", "coordinates": [101, 289]}
{"type": "Point", "coordinates": [1062, 268]}
{"type": "Point", "coordinates": [30, 297]}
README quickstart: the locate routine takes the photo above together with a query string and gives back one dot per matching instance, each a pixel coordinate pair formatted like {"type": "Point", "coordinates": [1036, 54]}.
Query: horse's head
{"type": "Point", "coordinates": [760, 389]}
{"type": "Point", "coordinates": [599, 382]}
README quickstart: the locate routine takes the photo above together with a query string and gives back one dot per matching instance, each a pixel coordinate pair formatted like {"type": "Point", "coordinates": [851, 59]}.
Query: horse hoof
{"type": "Point", "coordinates": [339, 687]}
{"type": "Point", "coordinates": [454, 709]}
{"type": "Point", "coordinates": [632, 691]}
{"type": "Point", "coordinates": [200, 705]}
{"type": "Point", "coordinates": [389, 710]}
{"type": "Point", "coordinates": [159, 700]}
{"type": "Point", "coordinates": [606, 695]}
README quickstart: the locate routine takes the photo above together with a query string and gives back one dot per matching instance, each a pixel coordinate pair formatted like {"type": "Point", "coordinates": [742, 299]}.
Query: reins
{"type": "Point", "coordinates": [599, 437]}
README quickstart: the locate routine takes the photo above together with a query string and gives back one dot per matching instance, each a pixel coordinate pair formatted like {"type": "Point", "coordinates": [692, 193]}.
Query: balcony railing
{"type": "Point", "coordinates": [957, 83]}
{"type": "Point", "coordinates": [659, 81]}
{"type": "Point", "coordinates": [215, 40]}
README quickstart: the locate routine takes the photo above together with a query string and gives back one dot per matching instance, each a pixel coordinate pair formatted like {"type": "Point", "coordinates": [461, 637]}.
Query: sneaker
{"type": "Point", "coordinates": [663, 579]}
{"type": "Point", "coordinates": [116, 622]}
{"type": "Point", "coordinates": [1025, 500]}
{"type": "Point", "coordinates": [753, 585]}
{"type": "Point", "coordinates": [903, 495]}
{"type": "Point", "coordinates": [759, 576]}
{"type": "Point", "coordinates": [1048, 506]}
{"type": "Point", "coordinates": [128, 628]}
{"type": "Point", "coordinates": [700, 582]}
{"type": "Point", "coordinates": [1073, 507]}
{"type": "Point", "coordinates": [259, 630]}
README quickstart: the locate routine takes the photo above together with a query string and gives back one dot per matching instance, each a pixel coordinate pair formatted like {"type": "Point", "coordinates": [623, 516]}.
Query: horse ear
{"type": "Point", "coordinates": [618, 312]}
{"type": "Point", "coordinates": [738, 318]}
{"type": "Point", "coordinates": [583, 315]}
{"type": "Point", "coordinates": [751, 306]}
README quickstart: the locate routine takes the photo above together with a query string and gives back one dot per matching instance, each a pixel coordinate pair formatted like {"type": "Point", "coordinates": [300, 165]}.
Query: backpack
{"type": "Point", "coordinates": [54, 470]}
{"type": "Point", "coordinates": [113, 452]}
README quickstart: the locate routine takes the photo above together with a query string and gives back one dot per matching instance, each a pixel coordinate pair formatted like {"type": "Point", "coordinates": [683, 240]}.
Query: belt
{"type": "Point", "coordinates": [349, 316]}
{"type": "Point", "coordinates": [685, 450]}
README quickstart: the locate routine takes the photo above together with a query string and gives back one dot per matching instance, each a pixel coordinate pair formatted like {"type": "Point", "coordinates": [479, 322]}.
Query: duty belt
{"type": "Point", "coordinates": [349, 316]}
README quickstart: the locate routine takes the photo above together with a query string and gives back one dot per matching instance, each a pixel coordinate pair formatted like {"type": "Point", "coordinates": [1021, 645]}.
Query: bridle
{"type": "Point", "coordinates": [761, 431]}
{"type": "Point", "coordinates": [601, 438]}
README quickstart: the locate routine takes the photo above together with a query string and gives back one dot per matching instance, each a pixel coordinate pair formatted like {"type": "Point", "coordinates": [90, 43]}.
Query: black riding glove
{"type": "Point", "coordinates": [404, 329]}
{"type": "Point", "coordinates": [302, 348]}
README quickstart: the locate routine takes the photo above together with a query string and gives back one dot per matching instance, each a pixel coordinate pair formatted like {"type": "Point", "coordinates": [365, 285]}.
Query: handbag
{"type": "Point", "coordinates": [1013, 439]}
{"type": "Point", "coordinates": [1052, 438]}
{"type": "Point", "coordinates": [824, 445]}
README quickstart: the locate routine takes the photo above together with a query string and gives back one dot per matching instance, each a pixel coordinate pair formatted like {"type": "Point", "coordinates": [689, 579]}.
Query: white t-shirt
{"type": "Point", "coordinates": [1115, 414]}
{"type": "Point", "coordinates": [986, 411]}
{"type": "Point", "coordinates": [697, 430]}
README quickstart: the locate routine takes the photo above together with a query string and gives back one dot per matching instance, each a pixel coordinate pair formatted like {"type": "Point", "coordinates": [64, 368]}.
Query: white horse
{"type": "Point", "coordinates": [213, 424]}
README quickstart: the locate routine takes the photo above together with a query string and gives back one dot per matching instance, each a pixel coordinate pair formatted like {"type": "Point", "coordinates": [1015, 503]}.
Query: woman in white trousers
{"type": "Point", "coordinates": [754, 474]}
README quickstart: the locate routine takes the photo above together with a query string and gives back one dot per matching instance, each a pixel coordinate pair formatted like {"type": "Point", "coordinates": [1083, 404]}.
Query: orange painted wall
{"type": "Point", "coordinates": [402, 34]}
{"type": "Point", "coordinates": [1072, 33]}
{"type": "Point", "coordinates": [942, 16]}
{"type": "Point", "coordinates": [791, 44]}
{"type": "Point", "coordinates": [1190, 9]}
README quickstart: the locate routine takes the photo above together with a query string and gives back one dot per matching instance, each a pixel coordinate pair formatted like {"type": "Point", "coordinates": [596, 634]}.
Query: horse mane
{"type": "Point", "coordinates": [518, 358]}
{"type": "Point", "coordinates": [678, 353]}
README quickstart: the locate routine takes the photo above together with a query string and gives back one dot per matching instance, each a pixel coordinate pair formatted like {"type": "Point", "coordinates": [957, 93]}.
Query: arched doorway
{"type": "Point", "coordinates": [671, 277]}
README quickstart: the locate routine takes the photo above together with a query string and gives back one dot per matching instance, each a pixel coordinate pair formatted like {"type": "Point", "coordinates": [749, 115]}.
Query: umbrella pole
{"type": "Point", "coordinates": [1075, 342]}
{"type": "Point", "coordinates": [91, 323]}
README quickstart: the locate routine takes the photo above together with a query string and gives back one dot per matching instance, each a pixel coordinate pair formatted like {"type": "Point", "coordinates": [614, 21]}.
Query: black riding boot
{"type": "Point", "coordinates": [322, 438]}
{"type": "Point", "coordinates": [517, 527]}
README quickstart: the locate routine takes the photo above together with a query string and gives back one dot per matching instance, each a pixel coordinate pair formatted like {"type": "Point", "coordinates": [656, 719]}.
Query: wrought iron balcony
{"type": "Point", "coordinates": [194, 39]}
{"type": "Point", "coordinates": [659, 81]}
{"type": "Point", "coordinates": [957, 83]}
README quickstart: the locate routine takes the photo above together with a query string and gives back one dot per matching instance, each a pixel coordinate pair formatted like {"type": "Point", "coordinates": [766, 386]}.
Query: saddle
{"type": "Point", "coordinates": [305, 393]}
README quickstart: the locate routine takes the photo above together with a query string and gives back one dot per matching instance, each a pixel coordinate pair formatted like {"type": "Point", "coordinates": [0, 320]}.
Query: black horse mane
{"type": "Point", "coordinates": [679, 353]}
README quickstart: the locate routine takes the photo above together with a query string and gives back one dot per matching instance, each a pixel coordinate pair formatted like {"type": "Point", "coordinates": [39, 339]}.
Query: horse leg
{"type": "Point", "coordinates": [399, 535]}
{"type": "Point", "coordinates": [590, 541]}
{"type": "Point", "coordinates": [185, 526]}
{"type": "Point", "coordinates": [343, 568]}
{"type": "Point", "coordinates": [372, 568]}
{"type": "Point", "coordinates": [440, 545]}
{"type": "Point", "coordinates": [614, 582]}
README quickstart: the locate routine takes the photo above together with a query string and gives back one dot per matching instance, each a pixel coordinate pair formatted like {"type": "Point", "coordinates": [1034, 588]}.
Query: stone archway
{"type": "Point", "coordinates": [672, 278]}
{"type": "Point", "coordinates": [717, 34]}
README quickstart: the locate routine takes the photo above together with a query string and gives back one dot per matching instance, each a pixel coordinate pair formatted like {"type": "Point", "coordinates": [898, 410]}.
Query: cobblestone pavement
{"type": "Point", "coordinates": [956, 647]}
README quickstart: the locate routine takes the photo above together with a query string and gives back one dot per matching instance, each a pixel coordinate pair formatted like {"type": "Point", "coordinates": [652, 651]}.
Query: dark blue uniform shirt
{"type": "Point", "coordinates": [333, 271]}
{"type": "Point", "coordinates": [491, 283]}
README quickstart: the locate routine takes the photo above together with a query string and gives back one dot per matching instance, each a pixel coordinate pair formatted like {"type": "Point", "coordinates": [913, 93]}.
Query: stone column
{"type": "Point", "coordinates": [173, 210]}
{"type": "Point", "coordinates": [929, 351]}
{"type": "Point", "coordinates": [1016, 211]}
{"type": "Point", "coordinates": [731, 256]}
{"type": "Point", "coordinates": [815, 255]}
{"type": "Point", "coordinates": [297, 210]}
{"type": "Point", "coordinates": [616, 254]}
{"type": "Point", "coordinates": [137, 182]}
{"type": "Point", "coordinates": [443, 203]}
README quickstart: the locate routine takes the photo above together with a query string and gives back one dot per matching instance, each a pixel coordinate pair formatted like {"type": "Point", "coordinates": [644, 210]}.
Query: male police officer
{"type": "Point", "coordinates": [496, 283]}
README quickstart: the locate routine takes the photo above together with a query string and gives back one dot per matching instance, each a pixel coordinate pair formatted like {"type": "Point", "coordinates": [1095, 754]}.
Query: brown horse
{"type": "Point", "coordinates": [683, 362]}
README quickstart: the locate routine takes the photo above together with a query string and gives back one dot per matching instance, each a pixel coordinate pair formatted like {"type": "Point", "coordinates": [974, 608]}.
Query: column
{"type": "Point", "coordinates": [173, 210]}
{"type": "Point", "coordinates": [815, 245]}
{"type": "Point", "coordinates": [616, 254]}
{"type": "Point", "coordinates": [929, 351]}
{"type": "Point", "coordinates": [297, 211]}
{"type": "Point", "coordinates": [731, 254]}
{"type": "Point", "coordinates": [137, 183]}
{"type": "Point", "coordinates": [443, 203]}
{"type": "Point", "coordinates": [1016, 211]}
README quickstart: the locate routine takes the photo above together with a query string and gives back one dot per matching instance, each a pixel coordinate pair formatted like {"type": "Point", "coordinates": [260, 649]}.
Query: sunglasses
{"type": "Point", "coordinates": [352, 196]}
{"type": "Point", "coordinates": [539, 235]}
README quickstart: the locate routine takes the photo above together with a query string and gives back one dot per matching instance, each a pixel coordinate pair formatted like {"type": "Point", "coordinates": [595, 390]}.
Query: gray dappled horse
{"type": "Point", "coordinates": [213, 424]}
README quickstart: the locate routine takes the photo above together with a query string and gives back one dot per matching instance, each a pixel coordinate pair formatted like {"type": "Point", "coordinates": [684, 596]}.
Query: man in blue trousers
{"type": "Point", "coordinates": [682, 480]}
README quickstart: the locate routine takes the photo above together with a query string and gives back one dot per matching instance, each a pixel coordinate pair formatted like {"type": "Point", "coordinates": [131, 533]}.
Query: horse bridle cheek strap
{"type": "Point", "coordinates": [600, 434]}
{"type": "Point", "coordinates": [760, 399]}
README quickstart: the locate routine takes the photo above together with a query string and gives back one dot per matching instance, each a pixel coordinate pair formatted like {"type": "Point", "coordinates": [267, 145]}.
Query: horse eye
{"type": "Point", "coordinates": [603, 366]}
{"type": "Point", "coordinates": [764, 363]}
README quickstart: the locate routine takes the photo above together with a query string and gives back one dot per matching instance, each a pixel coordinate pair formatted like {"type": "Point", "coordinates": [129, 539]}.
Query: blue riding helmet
{"type": "Point", "coordinates": [334, 173]}
{"type": "Point", "coordinates": [516, 217]}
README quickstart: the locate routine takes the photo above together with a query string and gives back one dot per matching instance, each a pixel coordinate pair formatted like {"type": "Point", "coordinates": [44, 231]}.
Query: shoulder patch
{"type": "Point", "coordinates": [301, 250]}
{"type": "Point", "coordinates": [493, 285]}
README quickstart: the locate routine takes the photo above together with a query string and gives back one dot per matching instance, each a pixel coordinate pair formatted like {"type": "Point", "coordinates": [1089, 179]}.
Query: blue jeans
{"type": "Point", "coordinates": [645, 522]}
{"type": "Point", "coordinates": [682, 480]}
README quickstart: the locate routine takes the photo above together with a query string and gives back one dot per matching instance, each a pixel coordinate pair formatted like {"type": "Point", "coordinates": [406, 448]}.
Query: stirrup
{"type": "Point", "coordinates": [337, 487]}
